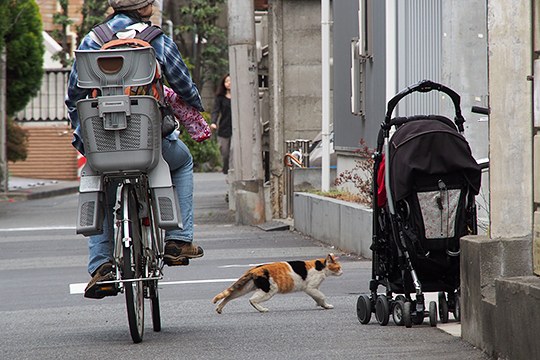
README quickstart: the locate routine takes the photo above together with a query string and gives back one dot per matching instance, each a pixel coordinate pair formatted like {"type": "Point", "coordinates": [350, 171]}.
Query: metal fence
{"type": "Point", "coordinates": [292, 147]}
{"type": "Point", "coordinates": [48, 104]}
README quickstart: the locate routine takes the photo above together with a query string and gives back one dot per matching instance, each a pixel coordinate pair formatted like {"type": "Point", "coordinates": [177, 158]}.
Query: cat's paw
{"type": "Point", "coordinates": [258, 307]}
{"type": "Point", "coordinates": [328, 306]}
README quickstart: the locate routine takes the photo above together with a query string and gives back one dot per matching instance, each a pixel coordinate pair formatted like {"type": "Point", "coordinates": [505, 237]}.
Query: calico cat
{"type": "Point", "coordinates": [282, 277]}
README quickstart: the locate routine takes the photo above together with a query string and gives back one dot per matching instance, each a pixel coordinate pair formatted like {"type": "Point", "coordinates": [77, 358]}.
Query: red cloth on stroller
{"type": "Point", "coordinates": [381, 189]}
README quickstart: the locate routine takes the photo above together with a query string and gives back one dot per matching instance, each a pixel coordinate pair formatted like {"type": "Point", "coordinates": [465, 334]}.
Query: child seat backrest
{"type": "Point", "coordinates": [113, 71]}
{"type": "Point", "coordinates": [148, 81]}
{"type": "Point", "coordinates": [139, 35]}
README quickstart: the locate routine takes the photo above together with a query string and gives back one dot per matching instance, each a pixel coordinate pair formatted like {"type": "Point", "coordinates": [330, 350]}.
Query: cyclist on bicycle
{"type": "Point", "coordinates": [178, 243]}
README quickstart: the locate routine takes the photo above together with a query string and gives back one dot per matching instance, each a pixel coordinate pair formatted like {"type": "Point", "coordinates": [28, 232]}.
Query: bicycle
{"type": "Point", "coordinates": [122, 137]}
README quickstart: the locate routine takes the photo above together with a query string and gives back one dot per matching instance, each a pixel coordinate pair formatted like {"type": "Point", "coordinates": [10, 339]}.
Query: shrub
{"type": "Point", "coordinates": [17, 141]}
{"type": "Point", "coordinates": [24, 49]}
{"type": "Point", "coordinates": [206, 155]}
{"type": "Point", "coordinates": [361, 175]}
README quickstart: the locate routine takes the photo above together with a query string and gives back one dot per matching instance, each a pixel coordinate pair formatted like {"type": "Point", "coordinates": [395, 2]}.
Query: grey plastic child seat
{"type": "Point", "coordinates": [120, 132]}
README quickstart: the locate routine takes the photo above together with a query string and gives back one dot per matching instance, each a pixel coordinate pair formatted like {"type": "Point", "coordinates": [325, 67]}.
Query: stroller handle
{"type": "Point", "coordinates": [427, 86]}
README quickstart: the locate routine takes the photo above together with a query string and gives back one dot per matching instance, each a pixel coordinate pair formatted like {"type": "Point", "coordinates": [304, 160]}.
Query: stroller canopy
{"type": "Point", "coordinates": [429, 145]}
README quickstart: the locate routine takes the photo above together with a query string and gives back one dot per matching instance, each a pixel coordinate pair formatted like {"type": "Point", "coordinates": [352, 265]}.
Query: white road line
{"type": "Point", "coordinates": [78, 288]}
{"type": "Point", "coordinates": [246, 265]}
{"type": "Point", "coordinates": [44, 228]}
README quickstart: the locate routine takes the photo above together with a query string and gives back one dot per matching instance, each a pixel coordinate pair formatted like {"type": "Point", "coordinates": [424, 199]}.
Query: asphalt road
{"type": "Point", "coordinates": [40, 256]}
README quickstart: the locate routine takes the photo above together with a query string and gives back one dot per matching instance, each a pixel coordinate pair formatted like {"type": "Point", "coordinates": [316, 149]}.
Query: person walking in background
{"type": "Point", "coordinates": [221, 120]}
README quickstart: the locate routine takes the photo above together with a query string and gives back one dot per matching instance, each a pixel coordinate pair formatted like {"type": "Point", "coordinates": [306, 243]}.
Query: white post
{"type": "Point", "coordinates": [391, 72]}
{"type": "Point", "coordinates": [325, 131]}
{"type": "Point", "coordinates": [3, 129]}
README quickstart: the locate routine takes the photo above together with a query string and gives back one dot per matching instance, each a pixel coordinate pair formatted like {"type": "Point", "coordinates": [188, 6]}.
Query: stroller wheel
{"type": "Point", "coordinates": [382, 310]}
{"type": "Point", "coordinates": [418, 316]}
{"type": "Point", "coordinates": [397, 312]}
{"type": "Point", "coordinates": [457, 308]}
{"type": "Point", "coordinates": [432, 313]}
{"type": "Point", "coordinates": [443, 307]}
{"type": "Point", "coordinates": [407, 316]}
{"type": "Point", "coordinates": [363, 309]}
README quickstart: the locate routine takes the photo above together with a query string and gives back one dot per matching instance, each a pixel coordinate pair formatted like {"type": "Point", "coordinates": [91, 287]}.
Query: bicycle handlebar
{"type": "Point", "coordinates": [480, 110]}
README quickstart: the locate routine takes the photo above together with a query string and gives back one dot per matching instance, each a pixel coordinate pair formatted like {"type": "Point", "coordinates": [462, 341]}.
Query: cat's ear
{"type": "Point", "coordinates": [330, 258]}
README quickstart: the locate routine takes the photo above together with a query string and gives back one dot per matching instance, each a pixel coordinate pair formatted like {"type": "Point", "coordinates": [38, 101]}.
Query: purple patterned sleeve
{"type": "Point", "coordinates": [189, 117]}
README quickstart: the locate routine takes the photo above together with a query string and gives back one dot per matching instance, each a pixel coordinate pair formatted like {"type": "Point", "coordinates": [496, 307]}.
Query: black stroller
{"type": "Point", "coordinates": [424, 185]}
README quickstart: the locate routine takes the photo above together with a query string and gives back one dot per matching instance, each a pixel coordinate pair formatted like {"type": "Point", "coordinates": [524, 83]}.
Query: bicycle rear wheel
{"type": "Point", "coordinates": [154, 303]}
{"type": "Point", "coordinates": [154, 253]}
{"type": "Point", "coordinates": [132, 263]}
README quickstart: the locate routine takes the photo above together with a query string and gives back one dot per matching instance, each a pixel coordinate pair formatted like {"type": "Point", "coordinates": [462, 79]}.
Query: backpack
{"type": "Point", "coordinates": [143, 38]}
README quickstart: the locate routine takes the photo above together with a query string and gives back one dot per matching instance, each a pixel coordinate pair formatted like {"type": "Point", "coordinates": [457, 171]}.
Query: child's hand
{"type": "Point", "coordinates": [213, 126]}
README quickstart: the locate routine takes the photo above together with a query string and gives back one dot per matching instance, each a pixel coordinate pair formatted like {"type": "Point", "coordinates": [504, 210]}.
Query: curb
{"type": "Point", "coordinates": [38, 193]}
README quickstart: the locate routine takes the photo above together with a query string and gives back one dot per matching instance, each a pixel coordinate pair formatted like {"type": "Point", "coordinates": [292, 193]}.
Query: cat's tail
{"type": "Point", "coordinates": [237, 286]}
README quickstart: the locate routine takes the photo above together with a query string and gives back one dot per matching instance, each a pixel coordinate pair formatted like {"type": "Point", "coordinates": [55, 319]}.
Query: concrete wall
{"type": "Point", "coordinates": [345, 225]}
{"type": "Point", "coordinates": [499, 290]}
{"type": "Point", "coordinates": [301, 42]}
{"type": "Point", "coordinates": [294, 91]}
{"type": "Point", "coordinates": [510, 48]}
{"type": "Point", "coordinates": [465, 33]}
{"type": "Point", "coordinates": [498, 297]}
{"type": "Point", "coordinates": [295, 67]}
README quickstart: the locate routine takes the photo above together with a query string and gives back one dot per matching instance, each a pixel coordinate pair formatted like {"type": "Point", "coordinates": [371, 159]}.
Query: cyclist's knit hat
{"type": "Point", "coordinates": [129, 4]}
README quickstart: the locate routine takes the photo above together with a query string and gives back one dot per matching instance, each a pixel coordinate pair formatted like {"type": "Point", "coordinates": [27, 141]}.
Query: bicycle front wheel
{"type": "Point", "coordinates": [132, 263]}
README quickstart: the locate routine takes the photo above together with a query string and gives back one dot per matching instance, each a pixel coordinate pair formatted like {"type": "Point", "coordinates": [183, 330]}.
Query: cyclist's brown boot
{"type": "Point", "coordinates": [103, 273]}
{"type": "Point", "coordinates": [179, 252]}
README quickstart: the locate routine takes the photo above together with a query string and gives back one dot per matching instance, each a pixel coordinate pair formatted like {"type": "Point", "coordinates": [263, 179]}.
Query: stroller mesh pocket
{"type": "Point", "coordinates": [439, 211]}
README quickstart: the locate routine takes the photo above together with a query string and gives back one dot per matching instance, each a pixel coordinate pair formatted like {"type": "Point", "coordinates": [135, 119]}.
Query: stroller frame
{"type": "Point", "coordinates": [396, 243]}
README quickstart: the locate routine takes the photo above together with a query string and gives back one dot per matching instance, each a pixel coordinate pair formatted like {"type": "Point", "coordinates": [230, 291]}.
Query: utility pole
{"type": "Point", "coordinates": [3, 128]}
{"type": "Point", "coordinates": [248, 187]}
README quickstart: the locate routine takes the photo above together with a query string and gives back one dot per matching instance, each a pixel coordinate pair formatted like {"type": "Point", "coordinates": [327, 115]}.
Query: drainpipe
{"type": "Point", "coordinates": [3, 137]}
{"type": "Point", "coordinates": [325, 131]}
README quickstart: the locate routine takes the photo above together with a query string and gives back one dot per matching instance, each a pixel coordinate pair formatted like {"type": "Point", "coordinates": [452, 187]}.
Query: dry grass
{"type": "Point", "coordinates": [345, 196]}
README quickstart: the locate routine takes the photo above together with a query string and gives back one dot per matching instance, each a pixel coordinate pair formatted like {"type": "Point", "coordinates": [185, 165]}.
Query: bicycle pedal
{"type": "Point", "coordinates": [101, 291]}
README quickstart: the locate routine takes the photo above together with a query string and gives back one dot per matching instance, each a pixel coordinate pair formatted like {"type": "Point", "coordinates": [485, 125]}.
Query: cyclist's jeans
{"type": "Point", "coordinates": [180, 161]}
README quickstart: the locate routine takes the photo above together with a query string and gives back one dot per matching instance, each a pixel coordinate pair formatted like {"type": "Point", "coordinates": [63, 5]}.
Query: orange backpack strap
{"type": "Point", "coordinates": [126, 43]}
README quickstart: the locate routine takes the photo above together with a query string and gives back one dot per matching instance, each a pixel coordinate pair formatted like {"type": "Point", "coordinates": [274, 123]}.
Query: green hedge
{"type": "Point", "coordinates": [206, 155]}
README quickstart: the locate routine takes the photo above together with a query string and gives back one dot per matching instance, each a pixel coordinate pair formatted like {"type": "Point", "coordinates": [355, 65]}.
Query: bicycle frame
{"type": "Point", "coordinates": [152, 239]}
{"type": "Point", "coordinates": [137, 236]}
